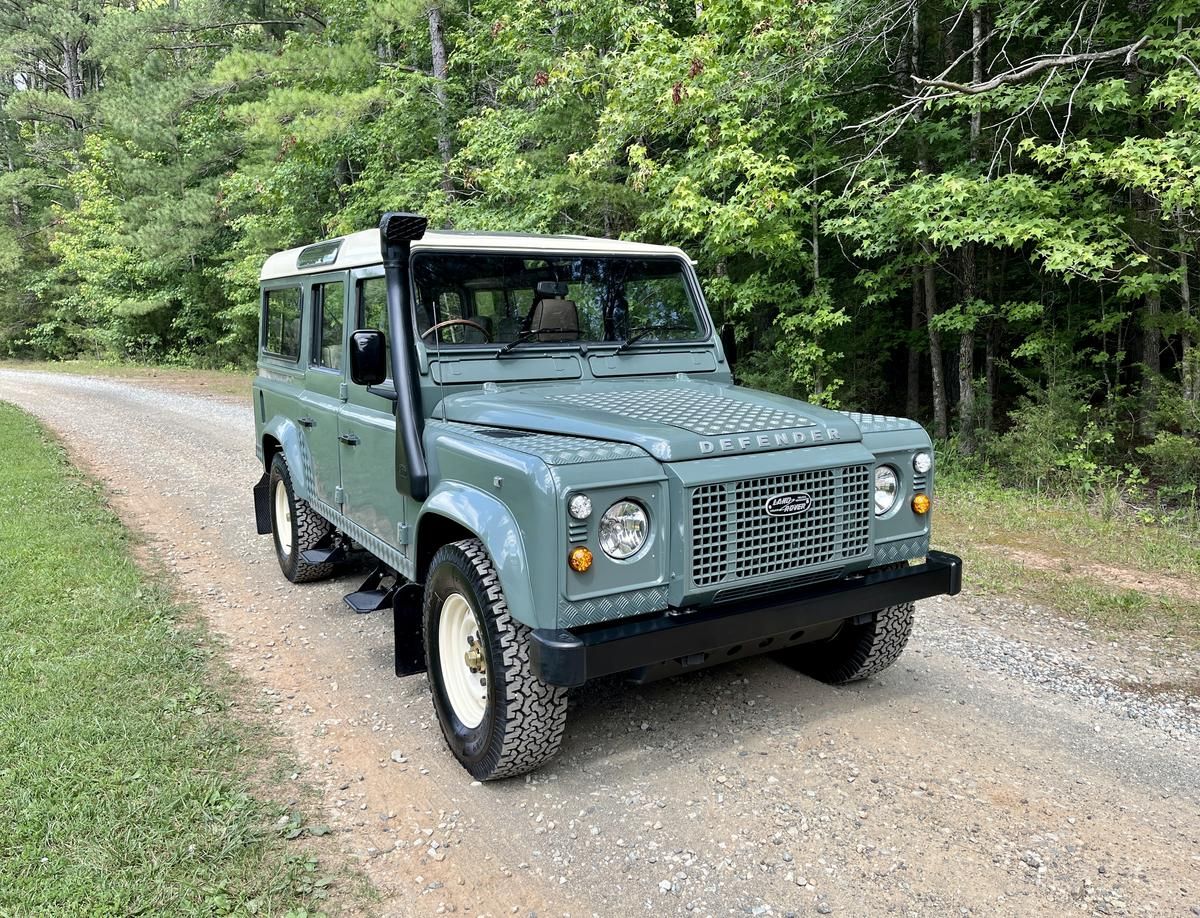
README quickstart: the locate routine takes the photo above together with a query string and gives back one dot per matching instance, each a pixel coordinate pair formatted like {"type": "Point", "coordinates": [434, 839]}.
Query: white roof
{"type": "Point", "coordinates": [358, 249]}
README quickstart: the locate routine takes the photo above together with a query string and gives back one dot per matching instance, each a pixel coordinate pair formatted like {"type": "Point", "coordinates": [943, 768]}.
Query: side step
{"type": "Point", "coordinates": [334, 555]}
{"type": "Point", "coordinates": [330, 550]}
{"type": "Point", "coordinates": [377, 591]}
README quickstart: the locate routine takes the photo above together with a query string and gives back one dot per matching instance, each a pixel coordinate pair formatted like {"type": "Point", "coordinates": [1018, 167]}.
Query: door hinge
{"type": "Point", "coordinates": [402, 533]}
{"type": "Point", "coordinates": [343, 391]}
{"type": "Point", "coordinates": [339, 496]}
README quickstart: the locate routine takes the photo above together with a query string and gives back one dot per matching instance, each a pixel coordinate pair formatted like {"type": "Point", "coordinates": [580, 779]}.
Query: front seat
{"type": "Point", "coordinates": [554, 313]}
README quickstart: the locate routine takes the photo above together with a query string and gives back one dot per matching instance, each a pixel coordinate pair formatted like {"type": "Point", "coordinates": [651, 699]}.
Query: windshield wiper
{"type": "Point", "coordinates": [645, 330]}
{"type": "Point", "coordinates": [530, 333]}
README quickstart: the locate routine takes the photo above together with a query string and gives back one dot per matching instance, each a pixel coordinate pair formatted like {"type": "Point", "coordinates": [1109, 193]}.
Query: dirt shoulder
{"type": "Point", "coordinates": [233, 384]}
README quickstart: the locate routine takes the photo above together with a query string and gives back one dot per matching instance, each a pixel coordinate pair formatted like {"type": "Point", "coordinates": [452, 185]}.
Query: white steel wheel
{"type": "Point", "coordinates": [283, 517]}
{"type": "Point", "coordinates": [499, 718]}
{"type": "Point", "coordinates": [296, 528]}
{"type": "Point", "coordinates": [462, 660]}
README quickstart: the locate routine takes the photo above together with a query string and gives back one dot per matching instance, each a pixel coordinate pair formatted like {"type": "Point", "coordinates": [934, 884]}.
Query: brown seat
{"type": "Point", "coordinates": [554, 313]}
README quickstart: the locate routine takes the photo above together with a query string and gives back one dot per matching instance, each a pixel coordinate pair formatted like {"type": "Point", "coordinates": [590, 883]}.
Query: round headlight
{"type": "Point", "coordinates": [624, 528]}
{"type": "Point", "coordinates": [922, 463]}
{"type": "Point", "coordinates": [580, 506]}
{"type": "Point", "coordinates": [887, 489]}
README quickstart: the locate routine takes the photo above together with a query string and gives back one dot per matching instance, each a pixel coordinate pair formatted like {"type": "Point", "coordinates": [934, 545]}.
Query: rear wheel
{"type": "Point", "coordinates": [296, 527]}
{"type": "Point", "coordinates": [856, 651]}
{"type": "Point", "coordinates": [498, 717]}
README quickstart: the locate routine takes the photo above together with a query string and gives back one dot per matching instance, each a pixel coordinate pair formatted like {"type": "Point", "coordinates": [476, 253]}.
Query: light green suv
{"type": "Point", "coordinates": [539, 442]}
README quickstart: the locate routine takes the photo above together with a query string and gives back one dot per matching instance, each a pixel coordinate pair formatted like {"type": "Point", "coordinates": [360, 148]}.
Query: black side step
{"type": "Point", "coordinates": [330, 550]}
{"type": "Point", "coordinates": [377, 591]}
{"type": "Point", "coordinates": [333, 555]}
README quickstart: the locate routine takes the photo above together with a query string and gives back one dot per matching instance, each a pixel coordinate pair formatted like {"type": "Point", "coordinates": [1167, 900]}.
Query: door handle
{"type": "Point", "coordinates": [348, 439]}
{"type": "Point", "coordinates": [306, 422]}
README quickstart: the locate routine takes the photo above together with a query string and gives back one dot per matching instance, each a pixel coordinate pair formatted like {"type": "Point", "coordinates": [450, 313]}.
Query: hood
{"type": "Point", "coordinates": [673, 420]}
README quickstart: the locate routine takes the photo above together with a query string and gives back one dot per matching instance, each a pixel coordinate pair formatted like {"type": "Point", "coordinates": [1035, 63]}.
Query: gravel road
{"type": "Point", "coordinates": [1010, 764]}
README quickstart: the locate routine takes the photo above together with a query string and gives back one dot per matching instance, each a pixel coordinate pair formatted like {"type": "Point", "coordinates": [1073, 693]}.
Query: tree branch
{"type": "Point", "coordinates": [1037, 66]}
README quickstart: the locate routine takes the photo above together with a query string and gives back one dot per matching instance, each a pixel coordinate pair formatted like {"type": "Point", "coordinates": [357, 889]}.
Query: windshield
{"type": "Point", "coordinates": [474, 299]}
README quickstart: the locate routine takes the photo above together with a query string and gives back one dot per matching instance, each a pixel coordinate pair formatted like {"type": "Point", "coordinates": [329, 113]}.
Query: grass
{"type": "Point", "coordinates": [127, 784]}
{"type": "Point", "coordinates": [219, 382]}
{"type": "Point", "coordinates": [1110, 568]}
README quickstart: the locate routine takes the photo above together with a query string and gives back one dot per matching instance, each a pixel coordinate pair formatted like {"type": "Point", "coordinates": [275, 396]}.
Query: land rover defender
{"type": "Point", "coordinates": [538, 443]}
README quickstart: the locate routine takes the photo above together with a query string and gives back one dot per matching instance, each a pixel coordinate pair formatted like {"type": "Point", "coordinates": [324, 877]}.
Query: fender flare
{"type": "Point", "coordinates": [494, 525]}
{"type": "Point", "coordinates": [295, 452]}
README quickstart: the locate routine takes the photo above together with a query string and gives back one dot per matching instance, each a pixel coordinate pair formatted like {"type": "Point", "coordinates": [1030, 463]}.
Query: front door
{"type": "Point", "coordinates": [367, 431]}
{"type": "Point", "coordinates": [324, 384]}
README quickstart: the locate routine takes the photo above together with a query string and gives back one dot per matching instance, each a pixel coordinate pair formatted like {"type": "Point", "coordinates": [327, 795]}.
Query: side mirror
{"type": "Point", "coordinates": [368, 357]}
{"type": "Point", "coordinates": [729, 343]}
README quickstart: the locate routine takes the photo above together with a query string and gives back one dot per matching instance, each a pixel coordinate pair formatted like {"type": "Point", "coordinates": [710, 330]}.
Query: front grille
{"type": "Point", "coordinates": [734, 538]}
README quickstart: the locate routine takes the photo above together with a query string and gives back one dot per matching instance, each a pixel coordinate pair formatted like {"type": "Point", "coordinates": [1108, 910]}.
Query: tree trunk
{"type": "Point", "coordinates": [72, 69]}
{"type": "Point", "coordinates": [437, 43]}
{"type": "Point", "coordinates": [941, 420]}
{"type": "Point", "coordinates": [989, 372]}
{"type": "Point", "coordinates": [912, 403]}
{"type": "Point", "coordinates": [1151, 360]}
{"type": "Point", "coordinates": [970, 283]}
{"type": "Point", "coordinates": [966, 354]}
{"type": "Point", "coordinates": [1189, 369]}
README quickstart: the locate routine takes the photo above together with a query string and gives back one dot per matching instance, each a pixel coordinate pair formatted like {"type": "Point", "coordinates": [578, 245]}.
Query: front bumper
{"type": "Point", "coordinates": [570, 658]}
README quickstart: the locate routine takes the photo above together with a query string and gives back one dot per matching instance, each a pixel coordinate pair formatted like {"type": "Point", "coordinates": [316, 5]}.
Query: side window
{"type": "Point", "coordinates": [329, 302]}
{"type": "Point", "coordinates": [281, 322]}
{"type": "Point", "coordinates": [372, 309]}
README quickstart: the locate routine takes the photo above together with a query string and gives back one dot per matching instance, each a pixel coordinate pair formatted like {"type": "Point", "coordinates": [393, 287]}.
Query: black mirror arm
{"type": "Point", "coordinates": [389, 394]}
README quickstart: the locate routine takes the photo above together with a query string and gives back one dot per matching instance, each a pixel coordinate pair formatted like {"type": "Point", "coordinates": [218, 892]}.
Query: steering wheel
{"type": "Point", "coordinates": [475, 325]}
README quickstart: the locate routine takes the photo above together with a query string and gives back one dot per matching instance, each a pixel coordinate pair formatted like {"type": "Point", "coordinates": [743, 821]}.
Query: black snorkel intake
{"type": "Point", "coordinates": [396, 233]}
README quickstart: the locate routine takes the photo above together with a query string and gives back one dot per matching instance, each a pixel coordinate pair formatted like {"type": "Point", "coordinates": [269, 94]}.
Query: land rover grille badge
{"type": "Point", "coordinates": [788, 504]}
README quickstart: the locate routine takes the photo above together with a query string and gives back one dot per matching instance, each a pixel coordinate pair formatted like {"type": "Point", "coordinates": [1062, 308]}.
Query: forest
{"type": "Point", "coordinates": [982, 215]}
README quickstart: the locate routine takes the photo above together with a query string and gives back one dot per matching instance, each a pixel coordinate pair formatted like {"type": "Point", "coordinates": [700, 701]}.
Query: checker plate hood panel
{"type": "Point", "coordinates": [673, 420]}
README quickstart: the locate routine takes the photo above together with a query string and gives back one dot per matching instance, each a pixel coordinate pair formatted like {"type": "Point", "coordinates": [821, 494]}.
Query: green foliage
{"type": "Point", "coordinates": [803, 153]}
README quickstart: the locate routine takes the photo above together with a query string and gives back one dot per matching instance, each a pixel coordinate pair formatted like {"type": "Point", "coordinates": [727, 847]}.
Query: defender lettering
{"type": "Point", "coordinates": [792, 438]}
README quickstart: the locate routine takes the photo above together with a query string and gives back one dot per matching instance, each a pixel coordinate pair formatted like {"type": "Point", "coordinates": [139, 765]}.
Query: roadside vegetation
{"type": "Point", "coordinates": [1112, 558]}
{"type": "Point", "coordinates": [129, 787]}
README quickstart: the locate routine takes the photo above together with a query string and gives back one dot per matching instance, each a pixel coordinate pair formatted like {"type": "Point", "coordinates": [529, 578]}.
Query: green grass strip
{"type": "Point", "coordinates": [124, 782]}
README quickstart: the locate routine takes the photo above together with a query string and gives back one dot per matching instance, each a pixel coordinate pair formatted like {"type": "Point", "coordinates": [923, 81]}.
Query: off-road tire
{"type": "Point", "coordinates": [524, 717]}
{"type": "Point", "coordinates": [308, 529]}
{"type": "Point", "coordinates": [856, 651]}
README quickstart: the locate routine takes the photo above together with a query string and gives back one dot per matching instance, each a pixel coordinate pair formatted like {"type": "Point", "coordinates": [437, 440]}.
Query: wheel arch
{"type": "Point", "coordinates": [456, 511]}
{"type": "Point", "coordinates": [281, 435]}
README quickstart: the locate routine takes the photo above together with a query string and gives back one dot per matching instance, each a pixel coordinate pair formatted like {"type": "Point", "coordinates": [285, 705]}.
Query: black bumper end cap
{"type": "Point", "coordinates": [559, 657]}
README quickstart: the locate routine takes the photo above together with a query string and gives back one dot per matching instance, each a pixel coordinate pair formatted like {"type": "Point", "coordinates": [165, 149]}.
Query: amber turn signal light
{"type": "Point", "coordinates": [920, 504]}
{"type": "Point", "coordinates": [580, 559]}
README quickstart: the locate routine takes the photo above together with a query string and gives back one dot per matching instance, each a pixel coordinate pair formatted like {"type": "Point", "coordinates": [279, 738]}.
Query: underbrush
{"type": "Point", "coordinates": [1111, 553]}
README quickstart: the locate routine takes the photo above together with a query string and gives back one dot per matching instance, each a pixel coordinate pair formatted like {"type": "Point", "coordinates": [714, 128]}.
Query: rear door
{"type": "Point", "coordinates": [367, 429]}
{"type": "Point", "coordinates": [325, 382]}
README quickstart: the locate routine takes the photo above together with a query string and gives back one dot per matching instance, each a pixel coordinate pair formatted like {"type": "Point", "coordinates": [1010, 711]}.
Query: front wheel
{"type": "Point", "coordinates": [856, 651]}
{"type": "Point", "coordinates": [498, 717]}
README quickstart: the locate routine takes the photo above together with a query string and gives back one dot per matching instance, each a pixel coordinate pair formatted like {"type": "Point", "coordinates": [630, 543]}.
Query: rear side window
{"type": "Point", "coordinates": [281, 322]}
{"type": "Point", "coordinates": [328, 306]}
